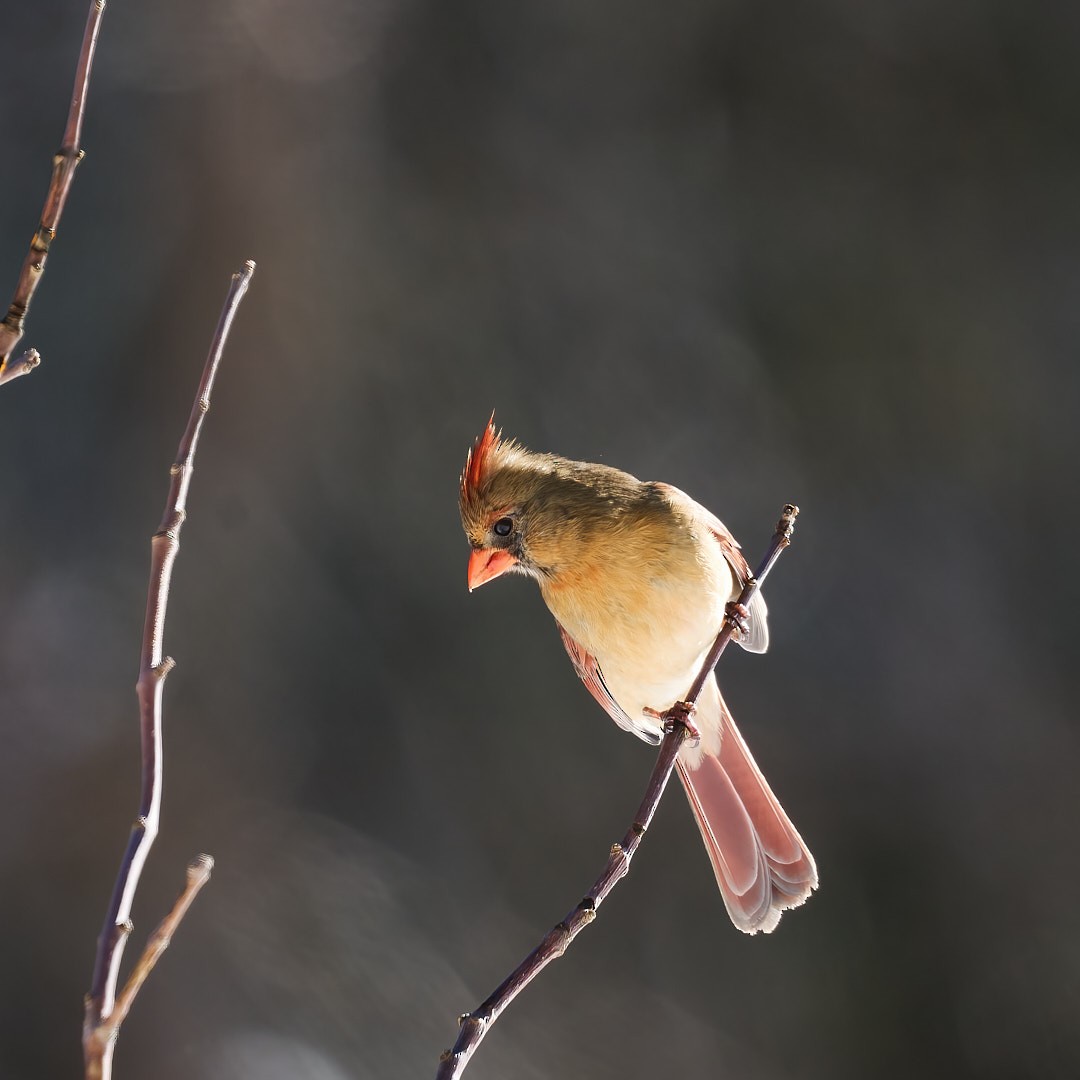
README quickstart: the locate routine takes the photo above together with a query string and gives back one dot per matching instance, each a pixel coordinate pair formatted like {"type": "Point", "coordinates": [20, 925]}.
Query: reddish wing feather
{"type": "Point", "coordinates": [590, 674]}
{"type": "Point", "coordinates": [730, 547]}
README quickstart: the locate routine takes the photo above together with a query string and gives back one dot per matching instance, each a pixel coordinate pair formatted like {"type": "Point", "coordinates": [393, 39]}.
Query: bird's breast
{"type": "Point", "coordinates": [647, 619]}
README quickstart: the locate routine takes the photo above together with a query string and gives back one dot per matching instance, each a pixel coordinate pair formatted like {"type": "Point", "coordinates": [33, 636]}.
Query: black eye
{"type": "Point", "coordinates": [503, 527]}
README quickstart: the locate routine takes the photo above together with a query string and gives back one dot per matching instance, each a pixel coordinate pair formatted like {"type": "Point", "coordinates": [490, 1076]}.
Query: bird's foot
{"type": "Point", "coordinates": [739, 614]}
{"type": "Point", "coordinates": [682, 713]}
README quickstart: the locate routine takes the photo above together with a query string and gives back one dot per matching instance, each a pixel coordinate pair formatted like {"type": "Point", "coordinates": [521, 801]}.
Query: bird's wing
{"type": "Point", "coordinates": [590, 674]}
{"type": "Point", "coordinates": [757, 640]}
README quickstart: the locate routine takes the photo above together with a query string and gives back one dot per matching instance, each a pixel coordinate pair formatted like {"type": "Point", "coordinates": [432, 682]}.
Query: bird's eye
{"type": "Point", "coordinates": [503, 527]}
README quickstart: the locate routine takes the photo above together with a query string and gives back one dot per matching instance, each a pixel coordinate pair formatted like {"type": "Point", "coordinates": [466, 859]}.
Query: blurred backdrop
{"type": "Point", "coordinates": [826, 253]}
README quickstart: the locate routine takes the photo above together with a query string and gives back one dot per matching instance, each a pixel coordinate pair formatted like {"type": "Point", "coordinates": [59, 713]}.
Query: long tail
{"type": "Point", "coordinates": [761, 863]}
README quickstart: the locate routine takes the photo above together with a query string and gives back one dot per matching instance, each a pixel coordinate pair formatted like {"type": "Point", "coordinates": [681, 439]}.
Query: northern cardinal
{"type": "Point", "coordinates": [638, 577]}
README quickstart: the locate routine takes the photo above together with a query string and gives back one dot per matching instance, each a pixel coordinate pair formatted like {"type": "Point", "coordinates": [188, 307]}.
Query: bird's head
{"type": "Point", "coordinates": [498, 484]}
{"type": "Point", "coordinates": [536, 514]}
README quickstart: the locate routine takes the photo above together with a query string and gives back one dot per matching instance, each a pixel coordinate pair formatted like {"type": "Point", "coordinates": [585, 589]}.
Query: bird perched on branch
{"type": "Point", "coordinates": [638, 577]}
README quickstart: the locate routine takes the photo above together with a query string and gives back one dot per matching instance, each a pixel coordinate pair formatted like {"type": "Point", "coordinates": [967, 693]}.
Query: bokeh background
{"type": "Point", "coordinates": [826, 252]}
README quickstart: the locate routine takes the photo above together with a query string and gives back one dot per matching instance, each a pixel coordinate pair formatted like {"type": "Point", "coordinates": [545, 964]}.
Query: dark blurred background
{"type": "Point", "coordinates": [827, 253]}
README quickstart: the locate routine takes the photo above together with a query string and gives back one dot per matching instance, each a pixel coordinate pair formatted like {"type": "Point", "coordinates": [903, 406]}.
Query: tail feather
{"type": "Point", "coordinates": [761, 863]}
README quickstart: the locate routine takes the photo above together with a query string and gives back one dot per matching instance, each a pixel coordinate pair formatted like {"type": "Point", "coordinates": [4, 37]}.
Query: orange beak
{"type": "Point", "coordinates": [486, 564]}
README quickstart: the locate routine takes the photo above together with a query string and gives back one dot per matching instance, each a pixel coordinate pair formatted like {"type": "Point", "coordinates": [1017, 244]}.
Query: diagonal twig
{"type": "Point", "coordinates": [198, 874]}
{"type": "Point", "coordinates": [65, 162]}
{"type": "Point", "coordinates": [475, 1025]}
{"type": "Point", "coordinates": [101, 1002]}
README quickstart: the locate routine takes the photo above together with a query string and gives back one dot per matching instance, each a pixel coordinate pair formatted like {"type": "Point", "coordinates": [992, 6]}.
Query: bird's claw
{"type": "Point", "coordinates": [739, 615]}
{"type": "Point", "coordinates": [681, 714]}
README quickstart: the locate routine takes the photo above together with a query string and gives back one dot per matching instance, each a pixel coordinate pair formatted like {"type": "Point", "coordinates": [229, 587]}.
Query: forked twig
{"type": "Point", "coordinates": [198, 874]}
{"type": "Point", "coordinates": [475, 1025]}
{"type": "Point", "coordinates": [65, 163]}
{"type": "Point", "coordinates": [103, 1010]}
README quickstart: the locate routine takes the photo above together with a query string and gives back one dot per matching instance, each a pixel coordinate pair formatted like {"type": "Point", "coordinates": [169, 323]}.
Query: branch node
{"type": "Point", "coordinates": [162, 670]}
{"type": "Point", "coordinates": [786, 525]}
{"type": "Point", "coordinates": [42, 239]}
{"type": "Point", "coordinates": [172, 523]}
{"type": "Point", "coordinates": [23, 366]}
{"type": "Point", "coordinates": [201, 866]}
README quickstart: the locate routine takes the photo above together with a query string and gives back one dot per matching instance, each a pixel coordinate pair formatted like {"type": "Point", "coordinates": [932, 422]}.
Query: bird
{"type": "Point", "coordinates": [638, 577]}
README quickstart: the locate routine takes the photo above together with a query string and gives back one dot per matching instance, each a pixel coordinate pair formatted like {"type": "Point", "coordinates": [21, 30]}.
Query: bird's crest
{"type": "Point", "coordinates": [478, 463]}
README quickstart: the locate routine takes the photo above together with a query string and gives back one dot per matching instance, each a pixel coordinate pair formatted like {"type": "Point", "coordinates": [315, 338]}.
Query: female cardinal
{"type": "Point", "coordinates": [638, 577]}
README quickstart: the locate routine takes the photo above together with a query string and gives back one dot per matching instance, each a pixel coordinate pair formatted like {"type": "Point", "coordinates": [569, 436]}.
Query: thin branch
{"type": "Point", "coordinates": [475, 1025]}
{"type": "Point", "coordinates": [198, 874]}
{"type": "Point", "coordinates": [153, 668]}
{"type": "Point", "coordinates": [65, 163]}
{"type": "Point", "coordinates": [23, 366]}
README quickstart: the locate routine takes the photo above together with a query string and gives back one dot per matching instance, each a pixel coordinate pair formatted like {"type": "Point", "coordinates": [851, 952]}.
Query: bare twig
{"type": "Point", "coordinates": [198, 874]}
{"type": "Point", "coordinates": [475, 1025]}
{"type": "Point", "coordinates": [23, 366]}
{"type": "Point", "coordinates": [65, 163]}
{"type": "Point", "coordinates": [101, 1002]}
